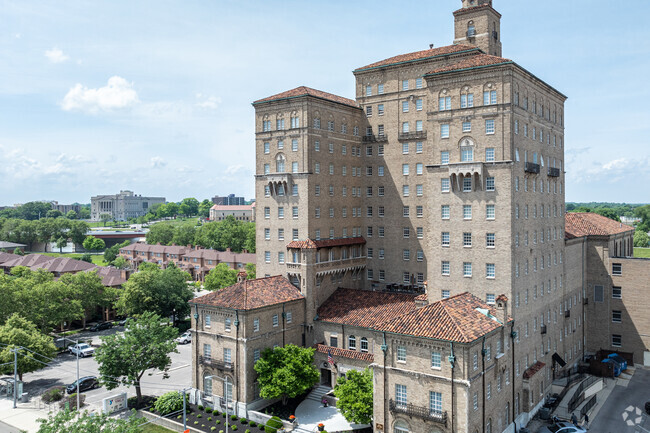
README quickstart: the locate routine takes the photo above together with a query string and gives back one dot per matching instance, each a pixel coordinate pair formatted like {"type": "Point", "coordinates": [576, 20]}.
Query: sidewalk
{"type": "Point", "coordinates": [23, 417]}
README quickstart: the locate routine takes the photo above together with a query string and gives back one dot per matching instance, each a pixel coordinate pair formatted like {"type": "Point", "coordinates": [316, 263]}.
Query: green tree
{"type": "Point", "coordinates": [87, 289]}
{"type": "Point", "coordinates": [286, 372]}
{"type": "Point", "coordinates": [84, 213]}
{"type": "Point", "coordinates": [354, 393]}
{"type": "Point", "coordinates": [172, 209]}
{"type": "Point", "coordinates": [18, 252]}
{"type": "Point", "coordinates": [16, 332]}
{"type": "Point", "coordinates": [251, 271]}
{"type": "Point", "coordinates": [86, 257]}
{"type": "Point", "coordinates": [641, 239]}
{"type": "Point", "coordinates": [643, 212]}
{"type": "Point", "coordinates": [607, 212]}
{"type": "Point", "coordinates": [121, 263]}
{"type": "Point", "coordinates": [110, 254]}
{"type": "Point", "coordinates": [91, 243]}
{"type": "Point", "coordinates": [184, 234]}
{"type": "Point", "coordinates": [105, 217]}
{"type": "Point", "coordinates": [34, 210]}
{"type": "Point", "coordinates": [161, 233]}
{"type": "Point", "coordinates": [162, 291]}
{"type": "Point", "coordinates": [67, 421]}
{"type": "Point", "coordinates": [191, 206]}
{"type": "Point", "coordinates": [78, 230]}
{"type": "Point", "coordinates": [220, 276]}
{"type": "Point", "coordinates": [204, 208]}
{"type": "Point", "coordinates": [54, 213]}
{"type": "Point", "coordinates": [71, 215]}
{"type": "Point", "coordinates": [61, 242]}
{"type": "Point", "coordinates": [144, 345]}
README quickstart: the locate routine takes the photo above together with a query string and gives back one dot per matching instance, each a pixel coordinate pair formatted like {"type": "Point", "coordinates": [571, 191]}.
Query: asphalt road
{"type": "Point", "coordinates": [623, 411]}
{"type": "Point", "coordinates": [63, 371]}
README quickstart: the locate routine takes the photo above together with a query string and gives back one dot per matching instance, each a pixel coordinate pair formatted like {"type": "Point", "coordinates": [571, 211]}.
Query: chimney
{"type": "Point", "coordinates": [502, 308]}
{"type": "Point", "coordinates": [430, 46]}
{"type": "Point", "coordinates": [241, 276]}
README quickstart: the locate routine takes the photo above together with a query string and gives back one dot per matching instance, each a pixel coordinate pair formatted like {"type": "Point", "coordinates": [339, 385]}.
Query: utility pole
{"type": "Point", "coordinates": [78, 395]}
{"type": "Point", "coordinates": [184, 409]}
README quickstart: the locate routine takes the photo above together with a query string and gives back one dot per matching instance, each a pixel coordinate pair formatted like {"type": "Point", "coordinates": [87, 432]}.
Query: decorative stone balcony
{"type": "Point", "coordinates": [219, 365]}
{"type": "Point", "coordinates": [375, 138]}
{"type": "Point", "coordinates": [412, 135]}
{"type": "Point", "coordinates": [459, 171]}
{"type": "Point", "coordinates": [332, 266]}
{"type": "Point", "coordinates": [418, 411]}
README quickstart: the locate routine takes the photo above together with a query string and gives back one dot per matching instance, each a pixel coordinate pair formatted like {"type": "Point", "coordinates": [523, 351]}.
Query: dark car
{"type": "Point", "coordinates": [85, 383]}
{"type": "Point", "coordinates": [101, 326]}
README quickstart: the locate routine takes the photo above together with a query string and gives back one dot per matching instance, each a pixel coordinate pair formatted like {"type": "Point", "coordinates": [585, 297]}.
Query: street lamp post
{"type": "Point", "coordinates": [185, 409]}
{"type": "Point", "coordinates": [225, 380]}
{"type": "Point", "coordinates": [78, 396]}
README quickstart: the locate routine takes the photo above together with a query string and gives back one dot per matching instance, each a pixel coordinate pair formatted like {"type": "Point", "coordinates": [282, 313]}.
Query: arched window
{"type": "Point", "coordinates": [471, 29]}
{"type": "Point", "coordinates": [364, 344]}
{"type": "Point", "coordinates": [352, 342]}
{"type": "Point", "coordinates": [466, 150]}
{"type": "Point", "coordinates": [466, 98]}
{"type": "Point", "coordinates": [207, 385]}
{"type": "Point", "coordinates": [279, 163]}
{"type": "Point", "coordinates": [401, 427]}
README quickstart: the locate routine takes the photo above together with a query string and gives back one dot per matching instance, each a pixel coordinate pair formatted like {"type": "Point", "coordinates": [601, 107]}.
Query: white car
{"type": "Point", "coordinates": [185, 338]}
{"type": "Point", "coordinates": [562, 427]}
{"type": "Point", "coordinates": [82, 349]}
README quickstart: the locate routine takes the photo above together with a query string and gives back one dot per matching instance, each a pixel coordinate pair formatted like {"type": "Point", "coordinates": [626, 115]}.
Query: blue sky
{"type": "Point", "coordinates": [155, 96]}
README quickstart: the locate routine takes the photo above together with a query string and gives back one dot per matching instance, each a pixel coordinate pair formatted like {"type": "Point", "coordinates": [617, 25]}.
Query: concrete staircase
{"type": "Point", "coordinates": [317, 393]}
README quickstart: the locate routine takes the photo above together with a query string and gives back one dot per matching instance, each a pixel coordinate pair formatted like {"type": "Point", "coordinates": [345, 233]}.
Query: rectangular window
{"type": "Point", "coordinates": [368, 90]}
{"type": "Point", "coordinates": [405, 169]}
{"type": "Point", "coordinates": [207, 350]}
{"type": "Point", "coordinates": [419, 168]}
{"type": "Point", "coordinates": [401, 353]}
{"type": "Point", "coordinates": [435, 403]}
{"type": "Point", "coordinates": [489, 240]}
{"type": "Point", "coordinates": [490, 272]}
{"type": "Point", "coordinates": [256, 325]}
{"type": "Point", "coordinates": [489, 212]}
{"type": "Point", "coordinates": [380, 89]}
{"type": "Point", "coordinates": [405, 106]}
{"type": "Point", "coordinates": [444, 157]}
{"type": "Point", "coordinates": [280, 212]}
{"type": "Point", "coordinates": [467, 211]}
{"type": "Point", "coordinates": [617, 269]}
{"type": "Point", "coordinates": [419, 189]}
{"type": "Point", "coordinates": [467, 184]}
{"type": "Point", "coordinates": [617, 316]}
{"type": "Point", "coordinates": [445, 211]}
{"type": "Point", "coordinates": [467, 126]}
{"type": "Point", "coordinates": [294, 233]}
{"type": "Point", "coordinates": [418, 83]}
{"type": "Point", "coordinates": [444, 103]}
{"type": "Point", "coordinates": [445, 184]}
{"type": "Point", "coordinates": [267, 147]}
{"type": "Point", "coordinates": [405, 211]}
{"type": "Point", "coordinates": [418, 147]}
{"type": "Point", "coordinates": [444, 130]}
{"type": "Point", "coordinates": [276, 320]}
{"type": "Point", "coordinates": [406, 255]}
{"type": "Point", "coordinates": [467, 239]}
{"type": "Point", "coordinates": [400, 395]}
{"type": "Point", "coordinates": [280, 124]}
{"type": "Point", "coordinates": [617, 340]}
{"type": "Point", "coordinates": [489, 183]}
{"type": "Point", "coordinates": [405, 190]}
{"type": "Point", "coordinates": [418, 125]}
{"type": "Point", "coordinates": [489, 126]}
{"type": "Point", "coordinates": [369, 110]}
{"type": "Point", "coordinates": [489, 154]}
{"type": "Point", "coordinates": [294, 167]}
{"type": "Point", "coordinates": [616, 293]}
{"type": "Point", "coordinates": [418, 104]}
{"type": "Point", "coordinates": [467, 269]}
{"type": "Point", "coordinates": [436, 359]}
{"type": "Point", "coordinates": [444, 239]}
{"type": "Point", "coordinates": [445, 268]}
{"type": "Point", "coordinates": [227, 355]}
{"type": "Point", "coordinates": [267, 234]}
{"type": "Point", "coordinates": [419, 211]}
{"type": "Point", "coordinates": [405, 84]}
{"type": "Point", "coordinates": [267, 256]}
{"type": "Point", "coordinates": [445, 294]}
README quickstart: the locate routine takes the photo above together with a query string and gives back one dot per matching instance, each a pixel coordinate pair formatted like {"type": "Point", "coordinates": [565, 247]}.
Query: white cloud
{"type": "Point", "coordinates": [55, 55]}
{"type": "Point", "coordinates": [209, 102]}
{"type": "Point", "coordinates": [117, 94]}
{"type": "Point", "coordinates": [157, 162]}
{"type": "Point", "coordinates": [233, 169]}
{"type": "Point", "coordinates": [617, 164]}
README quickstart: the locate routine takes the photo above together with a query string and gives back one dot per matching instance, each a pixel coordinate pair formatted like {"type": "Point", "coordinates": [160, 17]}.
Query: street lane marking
{"type": "Point", "coordinates": [175, 368]}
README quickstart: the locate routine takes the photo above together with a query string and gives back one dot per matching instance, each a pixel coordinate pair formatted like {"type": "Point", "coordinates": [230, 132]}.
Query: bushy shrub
{"type": "Point", "coordinates": [200, 415]}
{"type": "Point", "coordinates": [213, 428]}
{"type": "Point", "coordinates": [273, 425]}
{"type": "Point", "coordinates": [53, 394]}
{"type": "Point", "coordinates": [243, 421]}
{"type": "Point", "coordinates": [253, 424]}
{"type": "Point", "coordinates": [208, 409]}
{"type": "Point", "coordinates": [234, 427]}
{"type": "Point", "coordinates": [209, 418]}
{"type": "Point", "coordinates": [200, 407]}
{"type": "Point", "coordinates": [196, 423]}
{"type": "Point", "coordinates": [215, 412]}
{"type": "Point", "coordinates": [71, 400]}
{"type": "Point", "coordinates": [223, 414]}
{"type": "Point", "coordinates": [218, 422]}
{"type": "Point", "coordinates": [233, 417]}
{"type": "Point", "coordinates": [247, 431]}
{"type": "Point", "coordinates": [168, 403]}
{"type": "Point", "coordinates": [179, 417]}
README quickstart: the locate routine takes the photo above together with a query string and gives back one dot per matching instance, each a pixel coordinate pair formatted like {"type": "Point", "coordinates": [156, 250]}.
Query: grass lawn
{"type": "Point", "coordinates": [642, 252]}
{"type": "Point", "coordinates": [153, 428]}
{"type": "Point", "coordinates": [178, 221]}
{"type": "Point", "coordinates": [98, 259]}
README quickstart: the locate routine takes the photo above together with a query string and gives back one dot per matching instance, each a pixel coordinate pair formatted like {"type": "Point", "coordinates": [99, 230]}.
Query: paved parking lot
{"type": "Point", "coordinates": [63, 371]}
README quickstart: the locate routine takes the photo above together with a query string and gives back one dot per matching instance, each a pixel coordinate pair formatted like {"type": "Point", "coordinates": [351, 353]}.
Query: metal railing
{"type": "Point", "coordinates": [375, 138]}
{"type": "Point", "coordinates": [591, 403]}
{"type": "Point", "coordinates": [578, 395]}
{"type": "Point", "coordinates": [419, 411]}
{"type": "Point", "coordinates": [220, 365]}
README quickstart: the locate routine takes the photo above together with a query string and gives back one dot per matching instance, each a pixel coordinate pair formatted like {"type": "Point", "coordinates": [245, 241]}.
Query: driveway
{"type": "Point", "coordinates": [623, 411]}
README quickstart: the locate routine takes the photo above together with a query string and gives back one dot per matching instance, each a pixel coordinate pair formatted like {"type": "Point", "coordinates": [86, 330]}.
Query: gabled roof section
{"type": "Point", "coordinates": [345, 353]}
{"type": "Point", "coordinates": [5, 257]}
{"type": "Point", "coordinates": [365, 308]}
{"type": "Point", "coordinates": [308, 91]}
{"type": "Point", "coordinates": [29, 260]}
{"type": "Point", "coordinates": [62, 265]}
{"type": "Point", "coordinates": [252, 294]}
{"type": "Point", "coordinates": [480, 60]}
{"type": "Point", "coordinates": [421, 55]}
{"type": "Point", "coordinates": [326, 243]}
{"type": "Point", "coordinates": [579, 224]}
{"type": "Point", "coordinates": [462, 318]}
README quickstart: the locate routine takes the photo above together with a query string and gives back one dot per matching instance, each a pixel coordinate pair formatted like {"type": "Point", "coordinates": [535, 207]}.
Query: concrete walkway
{"type": "Point", "coordinates": [22, 418]}
{"type": "Point", "coordinates": [309, 413]}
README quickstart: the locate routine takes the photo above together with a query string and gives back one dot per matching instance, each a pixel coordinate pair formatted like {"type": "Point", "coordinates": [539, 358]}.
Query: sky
{"type": "Point", "coordinates": [155, 96]}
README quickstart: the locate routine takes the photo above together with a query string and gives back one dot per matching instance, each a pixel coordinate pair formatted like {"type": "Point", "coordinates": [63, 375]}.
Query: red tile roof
{"type": "Point", "coordinates": [251, 294]}
{"type": "Point", "coordinates": [453, 319]}
{"type": "Point", "coordinates": [326, 243]}
{"type": "Point", "coordinates": [578, 224]}
{"type": "Point", "coordinates": [479, 60]}
{"type": "Point", "coordinates": [530, 372]}
{"type": "Point", "coordinates": [365, 308]}
{"type": "Point", "coordinates": [345, 353]}
{"type": "Point", "coordinates": [308, 91]}
{"type": "Point", "coordinates": [421, 55]}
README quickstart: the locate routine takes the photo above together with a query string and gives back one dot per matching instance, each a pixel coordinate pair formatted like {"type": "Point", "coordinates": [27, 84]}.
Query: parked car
{"type": "Point", "coordinates": [85, 383]}
{"type": "Point", "coordinates": [618, 358]}
{"type": "Point", "coordinates": [184, 338]}
{"type": "Point", "coordinates": [123, 321]}
{"type": "Point", "coordinates": [562, 427]}
{"type": "Point", "coordinates": [82, 349]}
{"type": "Point", "coordinates": [101, 326]}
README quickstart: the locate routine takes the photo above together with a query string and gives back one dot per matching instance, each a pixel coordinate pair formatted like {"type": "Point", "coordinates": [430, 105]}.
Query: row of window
{"type": "Point", "coordinates": [295, 123]}
{"type": "Point", "coordinates": [556, 230]}
{"type": "Point", "coordinates": [467, 127]}
{"type": "Point", "coordinates": [407, 277]}
{"type": "Point", "coordinates": [467, 238]}
{"type": "Point", "coordinates": [467, 184]}
{"type": "Point", "coordinates": [404, 85]}
{"type": "Point", "coordinates": [406, 106]}
{"type": "Point", "coordinates": [207, 320]}
{"type": "Point", "coordinates": [294, 212]}
{"type": "Point", "coordinates": [490, 269]}
{"type": "Point", "coordinates": [467, 155]}
{"type": "Point", "coordinates": [541, 134]}
{"type": "Point", "coordinates": [543, 284]}
{"type": "Point", "coordinates": [356, 212]}
{"type": "Point", "coordinates": [466, 100]}
{"type": "Point", "coordinates": [540, 109]}
{"type": "Point", "coordinates": [541, 262]}
{"type": "Point", "coordinates": [267, 234]}
{"type": "Point", "coordinates": [542, 208]}
{"type": "Point", "coordinates": [401, 400]}
{"type": "Point", "coordinates": [552, 162]}
{"type": "Point", "coordinates": [352, 342]}
{"type": "Point", "coordinates": [490, 211]}
{"type": "Point", "coordinates": [280, 146]}
{"type": "Point", "coordinates": [357, 191]}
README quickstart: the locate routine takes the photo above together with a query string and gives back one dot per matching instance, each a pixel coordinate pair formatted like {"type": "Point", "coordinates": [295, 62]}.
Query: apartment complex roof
{"type": "Point", "coordinates": [308, 91]}
{"type": "Point", "coordinates": [11, 245]}
{"type": "Point", "coordinates": [62, 265]}
{"type": "Point", "coordinates": [169, 249]}
{"type": "Point", "coordinates": [365, 308]}
{"type": "Point", "coordinates": [251, 294]}
{"type": "Point", "coordinates": [462, 318]}
{"type": "Point", "coordinates": [221, 256]}
{"type": "Point", "coordinates": [578, 224]}
{"type": "Point", "coordinates": [226, 207]}
{"type": "Point", "coordinates": [29, 260]}
{"type": "Point", "coordinates": [5, 257]}
{"type": "Point", "coordinates": [479, 60]}
{"type": "Point", "coordinates": [345, 353]}
{"type": "Point", "coordinates": [326, 243]}
{"type": "Point", "coordinates": [420, 55]}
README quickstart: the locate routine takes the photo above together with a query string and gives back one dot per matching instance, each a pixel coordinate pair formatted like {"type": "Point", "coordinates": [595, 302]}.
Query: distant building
{"type": "Point", "coordinates": [229, 200]}
{"type": "Point", "coordinates": [240, 212]}
{"type": "Point", "coordinates": [65, 208]}
{"type": "Point", "coordinates": [11, 246]}
{"type": "Point", "coordinates": [122, 206]}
